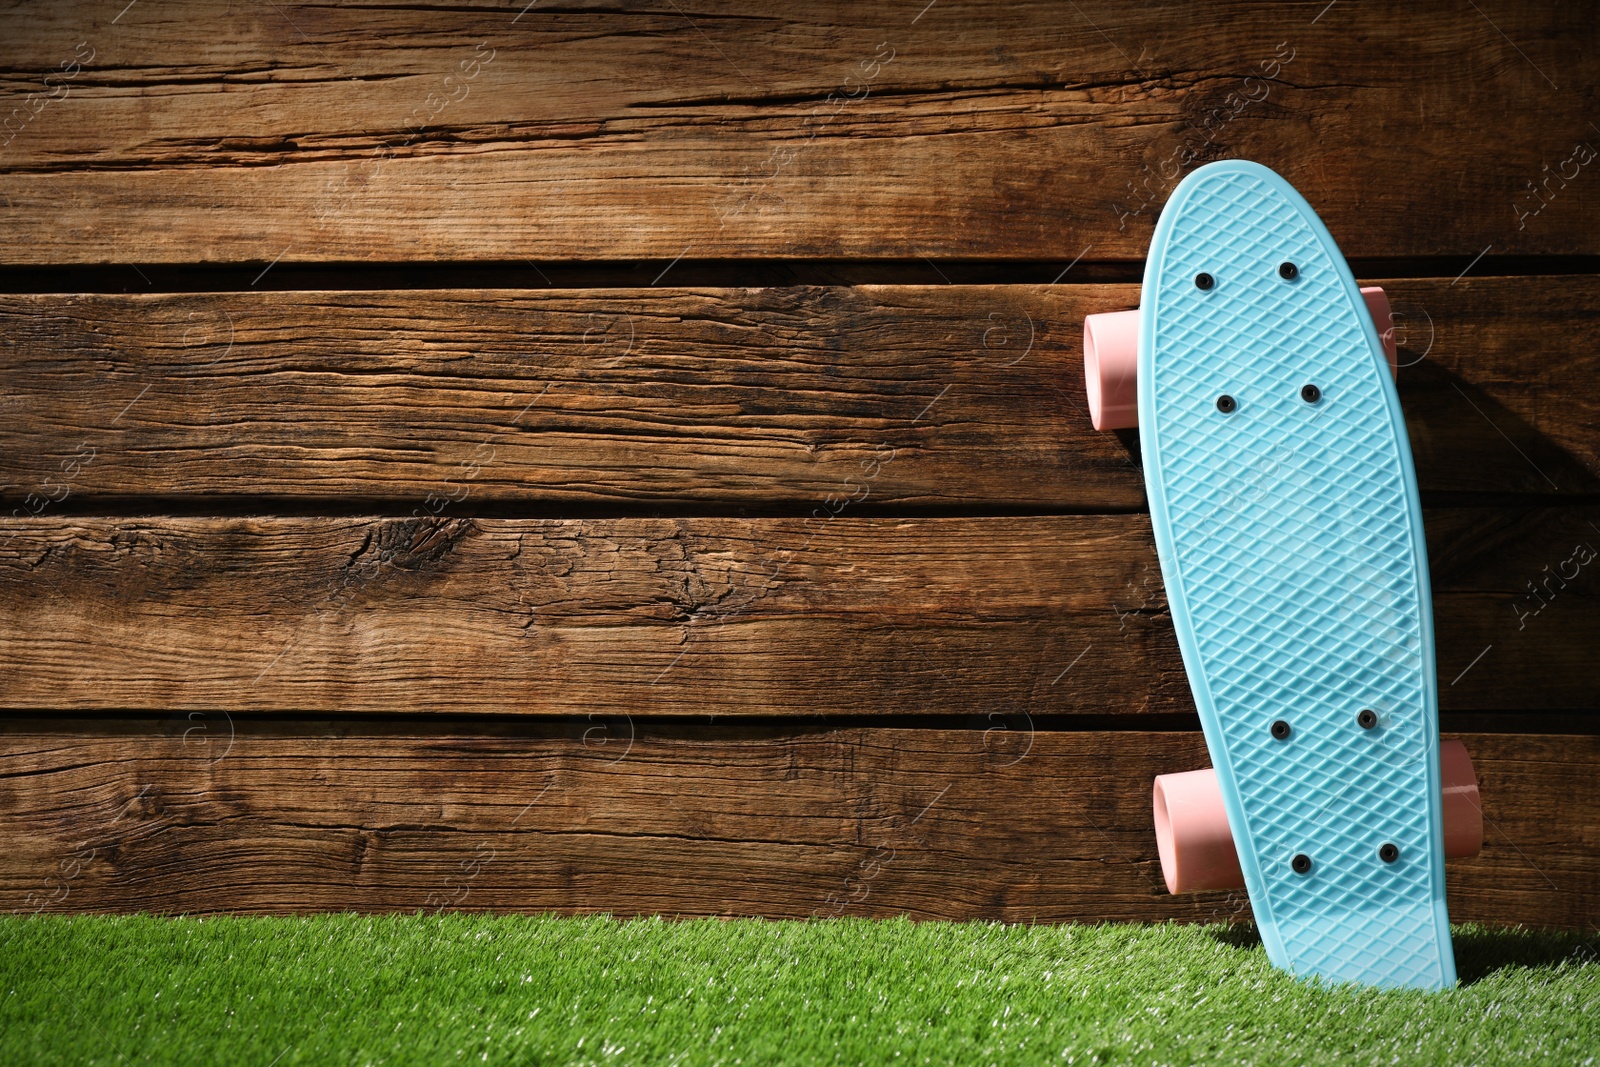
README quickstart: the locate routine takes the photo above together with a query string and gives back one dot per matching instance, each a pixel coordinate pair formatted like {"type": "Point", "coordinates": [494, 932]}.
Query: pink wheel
{"type": "Point", "coordinates": [1110, 369]}
{"type": "Point", "coordinates": [1196, 846]}
{"type": "Point", "coordinates": [1463, 813]}
{"type": "Point", "coordinates": [1192, 833]}
{"type": "Point", "coordinates": [1383, 319]}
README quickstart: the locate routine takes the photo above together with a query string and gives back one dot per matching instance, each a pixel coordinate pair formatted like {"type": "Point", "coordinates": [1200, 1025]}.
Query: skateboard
{"type": "Point", "coordinates": [1285, 511]}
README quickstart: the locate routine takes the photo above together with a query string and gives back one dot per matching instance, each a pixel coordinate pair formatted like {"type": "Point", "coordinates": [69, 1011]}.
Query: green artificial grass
{"type": "Point", "coordinates": [349, 989]}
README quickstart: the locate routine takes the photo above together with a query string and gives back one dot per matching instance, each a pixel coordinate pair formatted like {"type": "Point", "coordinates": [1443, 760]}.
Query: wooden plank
{"type": "Point", "coordinates": [705, 616]}
{"type": "Point", "coordinates": [1494, 382]}
{"type": "Point", "coordinates": [205, 131]}
{"type": "Point", "coordinates": [911, 395]}
{"type": "Point", "coordinates": [212, 814]}
{"type": "Point", "coordinates": [894, 396]}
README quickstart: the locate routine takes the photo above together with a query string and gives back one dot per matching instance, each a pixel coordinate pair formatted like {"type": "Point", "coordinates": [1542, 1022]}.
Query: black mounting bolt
{"type": "Point", "coordinates": [1280, 730]}
{"type": "Point", "coordinates": [1301, 863]}
{"type": "Point", "coordinates": [1387, 852]}
{"type": "Point", "coordinates": [1288, 271]}
{"type": "Point", "coordinates": [1226, 403]}
{"type": "Point", "coordinates": [1366, 718]}
{"type": "Point", "coordinates": [1204, 281]}
{"type": "Point", "coordinates": [1310, 394]}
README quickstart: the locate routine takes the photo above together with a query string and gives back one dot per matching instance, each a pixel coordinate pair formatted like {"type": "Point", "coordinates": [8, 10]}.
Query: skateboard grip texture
{"type": "Point", "coordinates": [1285, 507]}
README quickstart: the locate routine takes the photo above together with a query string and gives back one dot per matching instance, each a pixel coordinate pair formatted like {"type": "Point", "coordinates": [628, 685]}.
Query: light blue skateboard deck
{"type": "Point", "coordinates": [1291, 544]}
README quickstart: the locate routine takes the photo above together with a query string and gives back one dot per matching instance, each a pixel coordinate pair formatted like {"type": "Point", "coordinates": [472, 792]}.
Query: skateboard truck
{"type": "Point", "coordinates": [1111, 359]}
{"type": "Point", "coordinates": [1196, 847]}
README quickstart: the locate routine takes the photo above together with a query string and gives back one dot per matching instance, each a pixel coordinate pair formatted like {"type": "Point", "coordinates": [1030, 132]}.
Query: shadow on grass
{"type": "Point", "coordinates": [1480, 950]}
{"type": "Point", "coordinates": [1237, 934]}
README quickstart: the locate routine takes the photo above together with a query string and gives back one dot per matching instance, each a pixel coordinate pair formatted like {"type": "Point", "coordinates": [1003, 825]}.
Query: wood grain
{"type": "Point", "coordinates": [210, 814]}
{"type": "Point", "coordinates": [906, 395]}
{"type": "Point", "coordinates": [1493, 382]}
{"type": "Point", "coordinates": [206, 131]}
{"type": "Point", "coordinates": [902, 397]}
{"type": "Point", "coordinates": [705, 616]}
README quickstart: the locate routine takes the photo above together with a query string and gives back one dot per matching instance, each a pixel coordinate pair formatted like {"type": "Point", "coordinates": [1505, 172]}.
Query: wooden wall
{"type": "Point", "coordinates": [634, 458]}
